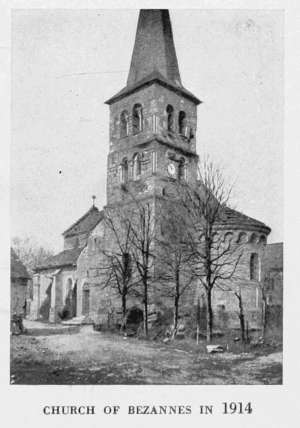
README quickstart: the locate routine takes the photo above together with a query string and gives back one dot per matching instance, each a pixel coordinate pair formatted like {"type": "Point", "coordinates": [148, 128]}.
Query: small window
{"type": "Point", "coordinates": [254, 267]}
{"type": "Point", "coordinates": [242, 238]}
{"type": "Point", "coordinates": [253, 238]}
{"type": "Point", "coordinates": [182, 123]}
{"type": "Point", "coordinates": [124, 124]}
{"type": "Point", "coordinates": [137, 169]}
{"type": "Point", "coordinates": [263, 240]}
{"type": "Point", "coordinates": [124, 171]}
{"type": "Point", "coordinates": [137, 119]}
{"type": "Point", "coordinates": [228, 237]}
{"type": "Point", "coordinates": [170, 118]}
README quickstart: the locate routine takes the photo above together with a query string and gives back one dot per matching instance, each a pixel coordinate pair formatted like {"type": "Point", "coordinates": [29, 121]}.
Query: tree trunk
{"type": "Point", "coordinates": [176, 310]}
{"type": "Point", "coordinates": [124, 310]}
{"type": "Point", "coordinates": [209, 317]}
{"type": "Point", "coordinates": [146, 309]}
{"type": "Point", "coordinates": [242, 318]}
{"type": "Point", "coordinates": [176, 301]}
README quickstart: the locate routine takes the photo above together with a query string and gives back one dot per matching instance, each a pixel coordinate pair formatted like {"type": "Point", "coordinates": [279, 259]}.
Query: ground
{"type": "Point", "coordinates": [84, 356]}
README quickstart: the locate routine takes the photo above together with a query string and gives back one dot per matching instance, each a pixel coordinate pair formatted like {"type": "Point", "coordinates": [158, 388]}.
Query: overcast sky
{"type": "Point", "coordinates": [66, 63]}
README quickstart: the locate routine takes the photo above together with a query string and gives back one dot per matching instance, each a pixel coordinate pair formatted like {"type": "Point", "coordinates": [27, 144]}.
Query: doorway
{"type": "Point", "coordinates": [85, 300]}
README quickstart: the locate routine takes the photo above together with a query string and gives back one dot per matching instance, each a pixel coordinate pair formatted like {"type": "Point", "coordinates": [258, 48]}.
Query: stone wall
{"type": "Point", "coordinates": [18, 292]}
{"type": "Point", "coordinates": [78, 240]}
{"type": "Point", "coordinates": [49, 293]}
{"type": "Point", "coordinates": [154, 137]}
{"type": "Point", "coordinates": [104, 302]}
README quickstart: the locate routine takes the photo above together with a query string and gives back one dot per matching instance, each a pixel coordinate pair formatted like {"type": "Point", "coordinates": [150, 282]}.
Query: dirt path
{"type": "Point", "coordinates": [90, 357]}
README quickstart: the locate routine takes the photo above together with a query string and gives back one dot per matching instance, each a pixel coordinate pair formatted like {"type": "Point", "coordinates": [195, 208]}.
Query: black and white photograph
{"type": "Point", "coordinates": [146, 192]}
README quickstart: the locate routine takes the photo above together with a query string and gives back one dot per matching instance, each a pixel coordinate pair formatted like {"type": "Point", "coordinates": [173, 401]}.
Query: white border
{"type": "Point", "coordinates": [274, 406]}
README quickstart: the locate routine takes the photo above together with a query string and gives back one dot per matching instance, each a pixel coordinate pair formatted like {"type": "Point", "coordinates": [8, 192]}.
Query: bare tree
{"type": "Point", "coordinates": [215, 258]}
{"type": "Point", "coordinates": [174, 259]}
{"type": "Point", "coordinates": [234, 287]}
{"type": "Point", "coordinates": [142, 238]}
{"type": "Point", "coordinates": [30, 253]}
{"type": "Point", "coordinates": [117, 257]}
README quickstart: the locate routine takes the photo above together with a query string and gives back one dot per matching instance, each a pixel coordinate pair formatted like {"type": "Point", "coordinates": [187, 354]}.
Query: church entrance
{"type": "Point", "coordinates": [85, 300]}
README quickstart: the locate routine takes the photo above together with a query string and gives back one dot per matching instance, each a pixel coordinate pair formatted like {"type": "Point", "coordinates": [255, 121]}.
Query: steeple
{"type": "Point", "coordinates": [153, 120]}
{"type": "Point", "coordinates": [154, 57]}
{"type": "Point", "coordinates": [154, 49]}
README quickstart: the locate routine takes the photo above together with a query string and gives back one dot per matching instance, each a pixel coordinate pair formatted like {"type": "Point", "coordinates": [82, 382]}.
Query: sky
{"type": "Point", "coordinates": [66, 63]}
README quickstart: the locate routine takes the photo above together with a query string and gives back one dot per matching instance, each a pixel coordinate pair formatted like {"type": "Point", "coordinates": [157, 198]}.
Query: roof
{"type": "Point", "coordinates": [231, 217]}
{"type": "Point", "coordinates": [86, 223]}
{"type": "Point", "coordinates": [64, 258]}
{"type": "Point", "coordinates": [154, 48]}
{"type": "Point", "coordinates": [154, 57]}
{"type": "Point", "coordinates": [154, 77]}
{"type": "Point", "coordinates": [17, 268]}
{"type": "Point", "coordinates": [274, 256]}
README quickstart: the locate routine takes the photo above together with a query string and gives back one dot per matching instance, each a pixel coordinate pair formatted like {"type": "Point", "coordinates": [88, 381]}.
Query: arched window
{"type": "Point", "coordinates": [254, 267]}
{"type": "Point", "coordinates": [124, 124]}
{"type": "Point", "coordinates": [136, 166]}
{"type": "Point", "coordinates": [181, 170]}
{"type": "Point", "coordinates": [253, 238]}
{"type": "Point", "coordinates": [182, 123]}
{"type": "Point", "coordinates": [137, 118]}
{"type": "Point", "coordinates": [263, 240]}
{"type": "Point", "coordinates": [242, 238]}
{"type": "Point", "coordinates": [170, 117]}
{"type": "Point", "coordinates": [124, 171]}
{"type": "Point", "coordinates": [228, 237]}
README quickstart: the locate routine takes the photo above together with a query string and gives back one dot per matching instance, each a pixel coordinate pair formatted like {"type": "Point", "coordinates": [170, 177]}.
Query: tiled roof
{"type": "Point", "coordinates": [85, 223]}
{"type": "Point", "coordinates": [17, 269]}
{"type": "Point", "coordinates": [274, 256]}
{"type": "Point", "coordinates": [232, 217]}
{"type": "Point", "coordinates": [64, 258]}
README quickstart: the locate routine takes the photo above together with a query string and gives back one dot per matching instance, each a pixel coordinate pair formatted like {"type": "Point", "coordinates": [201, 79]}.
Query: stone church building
{"type": "Point", "coordinates": [152, 141]}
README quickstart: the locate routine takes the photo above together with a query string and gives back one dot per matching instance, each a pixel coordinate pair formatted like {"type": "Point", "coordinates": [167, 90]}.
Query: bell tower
{"type": "Point", "coordinates": [153, 119]}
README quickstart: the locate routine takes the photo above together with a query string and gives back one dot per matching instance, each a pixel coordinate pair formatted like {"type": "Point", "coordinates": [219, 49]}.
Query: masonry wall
{"type": "Point", "coordinates": [154, 137]}
{"type": "Point", "coordinates": [18, 296]}
{"type": "Point", "coordinates": [49, 293]}
{"type": "Point", "coordinates": [105, 303]}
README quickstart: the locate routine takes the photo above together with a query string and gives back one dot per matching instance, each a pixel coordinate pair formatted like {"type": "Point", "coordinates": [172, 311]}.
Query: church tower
{"type": "Point", "coordinates": [153, 118]}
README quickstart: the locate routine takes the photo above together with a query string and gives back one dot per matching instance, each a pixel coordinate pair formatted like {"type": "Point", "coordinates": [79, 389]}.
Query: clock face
{"type": "Point", "coordinates": [171, 169]}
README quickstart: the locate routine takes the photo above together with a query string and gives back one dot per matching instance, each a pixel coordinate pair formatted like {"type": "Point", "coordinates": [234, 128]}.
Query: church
{"type": "Point", "coordinates": [152, 141]}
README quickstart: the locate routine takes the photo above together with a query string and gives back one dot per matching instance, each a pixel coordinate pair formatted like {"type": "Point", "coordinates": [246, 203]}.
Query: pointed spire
{"type": "Point", "coordinates": [154, 48]}
{"type": "Point", "coordinates": [154, 56]}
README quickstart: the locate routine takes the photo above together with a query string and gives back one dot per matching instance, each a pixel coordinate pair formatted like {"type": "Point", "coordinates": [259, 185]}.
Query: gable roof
{"type": "Point", "coordinates": [64, 258]}
{"type": "Point", "coordinates": [85, 223]}
{"type": "Point", "coordinates": [17, 268]}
